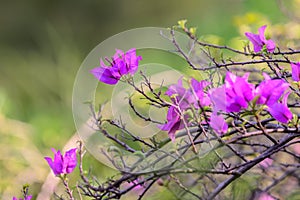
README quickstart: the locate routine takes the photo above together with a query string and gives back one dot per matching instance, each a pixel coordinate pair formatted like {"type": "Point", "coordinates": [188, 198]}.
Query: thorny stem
{"type": "Point", "coordinates": [68, 190]}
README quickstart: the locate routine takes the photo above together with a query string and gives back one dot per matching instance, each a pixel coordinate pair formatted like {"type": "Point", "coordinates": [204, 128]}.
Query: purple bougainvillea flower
{"type": "Point", "coordinates": [181, 96]}
{"type": "Point", "coordinates": [238, 92]}
{"type": "Point", "coordinates": [280, 111]}
{"type": "Point", "coordinates": [217, 97]}
{"type": "Point", "coordinates": [218, 123]}
{"type": "Point", "coordinates": [270, 90]}
{"type": "Point", "coordinates": [198, 90]}
{"type": "Point", "coordinates": [173, 124]}
{"type": "Point", "coordinates": [296, 71]}
{"type": "Point", "coordinates": [29, 197]}
{"type": "Point", "coordinates": [63, 164]}
{"type": "Point", "coordinates": [234, 95]}
{"type": "Point", "coordinates": [259, 40]}
{"type": "Point", "coordinates": [265, 163]}
{"type": "Point", "coordinates": [121, 64]}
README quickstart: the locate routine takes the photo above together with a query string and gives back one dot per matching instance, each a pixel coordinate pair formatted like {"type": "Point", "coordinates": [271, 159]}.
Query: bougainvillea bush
{"type": "Point", "coordinates": [231, 134]}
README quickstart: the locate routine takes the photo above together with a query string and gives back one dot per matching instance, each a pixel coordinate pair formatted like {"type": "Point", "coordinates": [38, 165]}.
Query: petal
{"type": "Point", "coordinates": [104, 75]}
{"type": "Point", "coordinates": [295, 71]}
{"type": "Point", "coordinates": [256, 41]}
{"type": "Point", "coordinates": [261, 32]}
{"type": "Point", "coordinates": [218, 98]}
{"type": "Point", "coordinates": [55, 167]}
{"type": "Point", "coordinates": [280, 112]}
{"type": "Point", "coordinates": [29, 197]}
{"type": "Point", "coordinates": [270, 45]}
{"type": "Point", "coordinates": [102, 64]}
{"type": "Point", "coordinates": [70, 161]}
{"type": "Point", "coordinates": [119, 54]}
{"type": "Point", "coordinates": [218, 123]}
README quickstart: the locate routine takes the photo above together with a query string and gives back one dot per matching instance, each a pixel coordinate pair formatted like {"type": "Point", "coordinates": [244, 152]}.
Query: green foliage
{"type": "Point", "coordinates": [243, 187]}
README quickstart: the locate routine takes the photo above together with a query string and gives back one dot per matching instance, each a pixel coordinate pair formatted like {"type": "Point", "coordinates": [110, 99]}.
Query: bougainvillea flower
{"type": "Point", "coordinates": [295, 71]}
{"type": "Point", "coordinates": [173, 124]}
{"type": "Point", "coordinates": [63, 164]}
{"type": "Point", "coordinates": [217, 97]}
{"type": "Point", "coordinates": [26, 198]}
{"type": "Point", "coordinates": [238, 92]}
{"type": "Point", "coordinates": [265, 163]}
{"type": "Point", "coordinates": [121, 64]}
{"type": "Point", "coordinates": [181, 96]}
{"type": "Point", "coordinates": [280, 111]}
{"type": "Point", "coordinates": [218, 123]}
{"type": "Point", "coordinates": [259, 40]}
{"type": "Point", "coordinates": [270, 90]}
{"type": "Point", "coordinates": [234, 95]}
{"type": "Point", "coordinates": [198, 89]}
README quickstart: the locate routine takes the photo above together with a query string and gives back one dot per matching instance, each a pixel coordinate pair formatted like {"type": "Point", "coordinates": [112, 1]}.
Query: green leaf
{"type": "Point", "coordinates": [294, 196]}
{"type": "Point", "coordinates": [242, 187]}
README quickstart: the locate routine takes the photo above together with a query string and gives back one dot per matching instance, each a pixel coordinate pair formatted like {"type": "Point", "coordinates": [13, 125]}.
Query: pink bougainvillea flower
{"type": "Point", "coordinates": [181, 96]}
{"type": "Point", "coordinates": [270, 90]}
{"type": "Point", "coordinates": [173, 124]}
{"type": "Point", "coordinates": [29, 197]}
{"type": "Point", "coordinates": [218, 123]}
{"type": "Point", "coordinates": [63, 164]}
{"type": "Point", "coordinates": [121, 64]}
{"type": "Point", "coordinates": [280, 111]}
{"type": "Point", "coordinates": [295, 71]}
{"type": "Point", "coordinates": [265, 163]}
{"type": "Point", "coordinates": [234, 95]}
{"type": "Point", "coordinates": [259, 40]}
{"type": "Point", "coordinates": [198, 89]}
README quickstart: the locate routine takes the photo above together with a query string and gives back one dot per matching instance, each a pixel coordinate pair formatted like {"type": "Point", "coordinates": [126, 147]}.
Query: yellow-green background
{"type": "Point", "coordinates": [42, 44]}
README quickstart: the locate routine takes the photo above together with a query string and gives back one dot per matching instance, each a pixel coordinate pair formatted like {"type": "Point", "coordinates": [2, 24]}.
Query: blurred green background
{"type": "Point", "coordinates": [42, 44]}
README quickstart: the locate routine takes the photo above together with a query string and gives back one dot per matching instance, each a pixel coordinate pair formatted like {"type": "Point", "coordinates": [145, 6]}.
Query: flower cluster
{"type": "Point", "coordinates": [121, 64]}
{"type": "Point", "coordinates": [235, 95]}
{"type": "Point", "coordinates": [182, 99]}
{"type": "Point", "coordinates": [63, 164]}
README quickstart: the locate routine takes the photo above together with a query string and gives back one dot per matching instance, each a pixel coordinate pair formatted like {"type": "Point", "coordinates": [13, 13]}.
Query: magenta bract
{"type": "Point", "coordinates": [234, 95]}
{"type": "Point", "coordinates": [121, 64]}
{"type": "Point", "coordinates": [295, 71]}
{"type": "Point", "coordinates": [270, 90]}
{"type": "Point", "coordinates": [63, 164]}
{"type": "Point", "coordinates": [259, 40]}
{"type": "Point", "coordinates": [280, 111]}
{"type": "Point", "coordinates": [26, 198]}
{"type": "Point", "coordinates": [218, 123]}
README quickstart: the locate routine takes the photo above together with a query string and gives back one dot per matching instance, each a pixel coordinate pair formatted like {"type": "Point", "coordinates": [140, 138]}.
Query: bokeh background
{"type": "Point", "coordinates": [42, 44]}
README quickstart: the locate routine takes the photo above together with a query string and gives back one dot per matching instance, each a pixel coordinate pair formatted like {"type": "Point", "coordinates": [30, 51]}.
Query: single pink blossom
{"type": "Point", "coordinates": [259, 40]}
{"type": "Point", "coordinates": [122, 64]}
{"type": "Point", "coordinates": [63, 164]}
{"type": "Point", "coordinates": [234, 95]}
{"type": "Point", "coordinates": [280, 111]}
